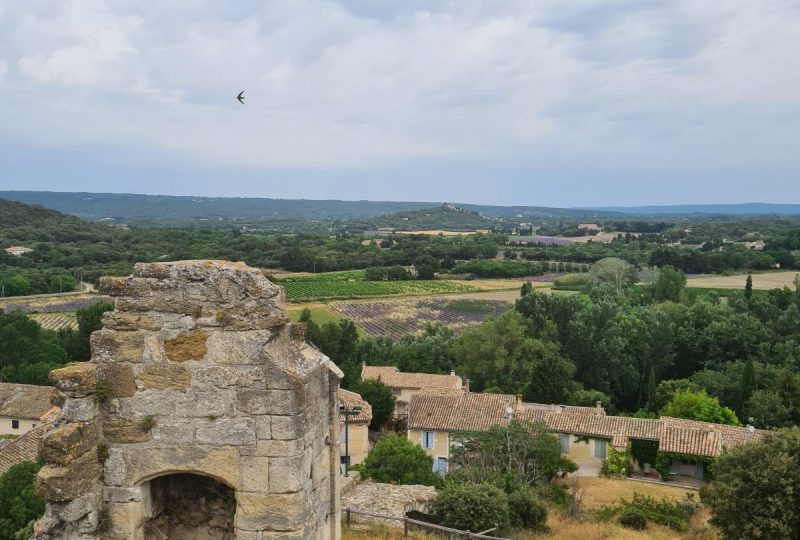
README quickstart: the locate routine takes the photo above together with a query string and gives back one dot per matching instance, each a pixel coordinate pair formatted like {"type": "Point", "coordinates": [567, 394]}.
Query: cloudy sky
{"type": "Point", "coordinates": [552, 102]}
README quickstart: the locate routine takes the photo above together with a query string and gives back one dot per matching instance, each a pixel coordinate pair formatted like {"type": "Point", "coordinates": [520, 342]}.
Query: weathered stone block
{"type": "Point", "coordinates": [127, 321]}
{"type": "Point", "coordinates": [76, 380]}
{"type": "Point", "coordinates": [79, 410]}
{"type": "Point", "coordinates": [227, 431]}
{"type": "Point", "coordinates": [200, 403]}
{"type": "Point", "coordinates": [125, 429]}
{"type": "Point", "coordinates": [189, 346]}
{"type": "Point", "coordinates": [280, 402]}
{"type": "Point", "coordinates": [126, 520]}
{"type": "Point", "coordinates": [164, 377]}
{"type": "Point", "coordinates": [114, 469]}
{"type": "Point", "coordinates": [238, 348]}
{"type": "Point", "coordinates": [287, 427]}
{"type": "Point", "coordinates": [263, 427]}
{"type": "Point", "coordinates": [56, 483]}
{"type": "Point", "coordinates": [224, 376]}
{"type": "Point", "coordinates": [173, 431]}
{"type": "Point", "coordinates": [119, 380]}
{"type": "Point", "coordinates": [124, 494]}
{"type": "Point", "coordinates": [260, 511]}
{"type": "Point", "coordinates": [63, 444]}
{"type": "Point", "coordinates": [149, 403]}
{"type": "Point", "coordinates": [145, 463]}
{"type": "Point", "coordinates": [255, 474]}
{"type": "Point", "coordinates": [110, 346]}
{"type": "Point", "coordinates": [286, 475]}
{"type": "Point", "coordinates": [272, 448]}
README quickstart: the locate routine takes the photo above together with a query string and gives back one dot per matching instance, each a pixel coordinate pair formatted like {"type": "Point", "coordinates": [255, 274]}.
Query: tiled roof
{"type": "Point", "coordinates": [619, 429]}
{"type": "Point", "coordinates": [350, 400]}
{"type": "Point", "coordinates": [25, 400]}
{"type": "Point", "coordinates": [701, 438]}
{"type": "Point", "coordinates": [478, 412]}
{"type": "Point", "coordinates": [565, 408]}
{"type": "Point", "coordinates": [391, 376]}
{"type": "Point", "coordinates": [462, 412]}
{"type": "Point", "coordinates": [24, 448]}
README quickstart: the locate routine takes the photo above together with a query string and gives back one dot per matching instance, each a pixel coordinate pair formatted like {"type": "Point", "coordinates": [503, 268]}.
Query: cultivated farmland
{"type": "Point", "coordinates": [403, 317]}
{"type": "Point", "coordinates": [55, 321]}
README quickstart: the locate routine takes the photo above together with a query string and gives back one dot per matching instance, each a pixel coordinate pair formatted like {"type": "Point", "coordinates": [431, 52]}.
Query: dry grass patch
{"type": "Point", "coordinates": [602, 491]}
{"type": "Point", "coordinates": [769, 280]}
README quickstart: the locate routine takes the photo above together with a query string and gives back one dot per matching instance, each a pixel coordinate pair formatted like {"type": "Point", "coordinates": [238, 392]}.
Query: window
{"type": "Point", "coordinates": [33, 426]}
{"type": "Point", "coordinates": [427, 440]}
{"type": "Point", "coordinates": [600, 449]}
{"type": "Point", "coordinates": [397, 391]}
{"type": "Point", "coordinates": [563, 438]}
{"type": "Point", "coordinates": [440, 466]}
{"type": "Point", "coordinates": [15, 424]}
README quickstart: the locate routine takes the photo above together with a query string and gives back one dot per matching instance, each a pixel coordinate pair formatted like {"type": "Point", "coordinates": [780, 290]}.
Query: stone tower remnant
{"type": "Point", "coordinates": [203, 414]}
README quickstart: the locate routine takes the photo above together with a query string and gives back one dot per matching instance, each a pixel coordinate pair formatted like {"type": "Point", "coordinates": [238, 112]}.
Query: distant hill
{"type": "Point", "coordinates": [14, 214]}
{"type": "Point", "coordinates": [742, 209]}
{"type": "Point", "coordinates": [443, 217]}
{"type": "Point", "coordinates": [126, 207]}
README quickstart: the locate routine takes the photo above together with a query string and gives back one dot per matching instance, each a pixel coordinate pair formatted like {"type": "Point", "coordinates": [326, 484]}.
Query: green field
{"type": "Point", "coordinates": [318, 289]}
{"type": "Point", "coordinates": [319, 314]}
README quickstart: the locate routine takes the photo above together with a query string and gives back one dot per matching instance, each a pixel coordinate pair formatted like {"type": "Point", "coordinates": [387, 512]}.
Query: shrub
{"type": "Point", "coordinates": [571, 282]}
{"type": "Point", "coordinates": [526, 511]}
{"type": "Point", "coordinates": [674, 515]}
{"type": "Point", "coordinates": [617, 463]}
{"type": "Point", "coordinates": [472, 507]}
{"type": "Point", "coordinates": [396, 460]}
{"type": "Point", "coordinates": [633, 519]}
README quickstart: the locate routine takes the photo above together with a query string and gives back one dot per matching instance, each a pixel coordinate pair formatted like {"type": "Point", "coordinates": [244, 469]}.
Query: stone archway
{"type": "Point", "coordinates": [188, 507]}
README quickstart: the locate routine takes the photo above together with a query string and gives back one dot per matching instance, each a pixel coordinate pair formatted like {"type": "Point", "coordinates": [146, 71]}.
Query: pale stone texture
{"type": "Point", "coordinates": [208, 385]}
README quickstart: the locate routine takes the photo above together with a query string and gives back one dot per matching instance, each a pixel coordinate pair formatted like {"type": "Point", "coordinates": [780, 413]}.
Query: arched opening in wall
{"type": "Point", "coordinates": [189, 507]}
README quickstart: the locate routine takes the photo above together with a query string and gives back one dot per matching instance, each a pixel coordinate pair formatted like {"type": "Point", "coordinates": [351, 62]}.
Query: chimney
{"type": "Point", "coordinates": [363, 363]}
{"type": "Point", "coordinates": [452, 372]}
{"type": "Point", "coordinates": [466, 385]}
{"type": "Point", "coordinates": [598, 405]}
{"type": "Point", "coordinates": [518, 399]}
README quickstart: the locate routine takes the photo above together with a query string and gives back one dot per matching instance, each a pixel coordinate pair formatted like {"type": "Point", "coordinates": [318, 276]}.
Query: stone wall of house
{"type": "Point", "coordinates": [196, 373]}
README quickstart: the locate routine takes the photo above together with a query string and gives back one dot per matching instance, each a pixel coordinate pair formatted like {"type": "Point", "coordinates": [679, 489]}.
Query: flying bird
{"type": "Point", "coordinates": [240, 97]}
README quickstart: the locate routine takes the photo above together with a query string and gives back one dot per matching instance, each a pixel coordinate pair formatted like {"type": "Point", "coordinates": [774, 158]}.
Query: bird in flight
{"type": "Point", "coordinates": [240, 97]}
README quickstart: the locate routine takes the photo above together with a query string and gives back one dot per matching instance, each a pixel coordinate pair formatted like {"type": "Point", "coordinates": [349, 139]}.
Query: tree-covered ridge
{"type": "Point", "coordinates": [443, 217]}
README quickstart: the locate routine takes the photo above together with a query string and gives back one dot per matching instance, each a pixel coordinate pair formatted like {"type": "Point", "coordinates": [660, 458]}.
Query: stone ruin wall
{"type": "Point", "coordinates": [203, 413]}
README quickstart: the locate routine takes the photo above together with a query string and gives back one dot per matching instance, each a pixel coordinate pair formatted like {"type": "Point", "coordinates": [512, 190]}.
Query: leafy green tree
{"type": "Point", "coordinates": [27, 353]}
{"type": "Point", "coordinates": [768, 410]}
{"type": "Point", "coordinates": [699, 406]}
{"type": "Point", "coordinates": [18, 503]}
{"type": "Point", "coordinates": [612, 271]}
{"type": "Point", "coordinates": [527, 288]}
{"type": "Point", "coordinates": [754, 492]}
{"type": "Point", "coordinates": [497, 353]}
{"type": "Point", "coordinates": [426, 267]}
{"type": "Point", "coordinates": [395, 459]}
{"type": "Point", "coordinates": [380, 398]}
{"type": "Point", "coordinates": [526, 510]}
{"type": "Point", "coordinates": [669, 284]}
{"type": "Point", "coordinates": [746, 387]}
{"type": "Point", "coordinates": [521, 454]}
{"type": "Point", "coordinates": [552, 375]}
{"type": "Point", "coordinates": [748, 288]}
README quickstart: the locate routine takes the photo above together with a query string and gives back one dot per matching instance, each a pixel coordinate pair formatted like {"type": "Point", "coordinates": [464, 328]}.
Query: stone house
{"type": "Point", "coordinates": [433, 417]}
{"type": "Point", "coordinates": [354, 428]}
{"type": "Point", "coordinates": [203, 414]}
{"type": "Point", "coordinates": [23, 407]}
{"type": "Point", "coordinates": [585, 433]}
{"type": "Point", "coordinates": [17, 251]}
{"type": "Point", "coordinates": [405, 385]}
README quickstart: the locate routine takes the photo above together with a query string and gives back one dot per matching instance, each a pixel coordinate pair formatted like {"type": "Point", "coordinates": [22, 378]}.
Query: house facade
{"type": "Point", "coordinates": [24, 407]}
{"type": "Point", "coordinates": [586, 434]}
{"type": "Point", "coordinates": [406, 385]}
{"type": "Point", "coordinates": [354, 428]}
{"type": "Point", "coordinates": [17, 251]}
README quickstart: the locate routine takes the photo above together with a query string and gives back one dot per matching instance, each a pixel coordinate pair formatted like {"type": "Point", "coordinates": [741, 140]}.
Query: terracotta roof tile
{"type": "Point", "coordinates": [25, 400]}
{"type": "Point", "coordinates": [23, 448]}
{"type": "Point", "coordinates": [395, 378]}
{"type": "Point", "coordinates": [701, 438]}
{"type": "Point", "coordinates": [462, 412]}
{"type": "Point", "coordinates": [350, 400]}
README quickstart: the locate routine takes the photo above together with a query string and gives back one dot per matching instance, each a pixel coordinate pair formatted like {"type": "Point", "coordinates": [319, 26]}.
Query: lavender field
{"type": "Point", "coordinates": [398, 318]}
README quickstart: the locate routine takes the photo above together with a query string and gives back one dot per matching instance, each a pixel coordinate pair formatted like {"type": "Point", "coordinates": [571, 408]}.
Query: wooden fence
{"type": "Point", "coordinates": [490, 534]}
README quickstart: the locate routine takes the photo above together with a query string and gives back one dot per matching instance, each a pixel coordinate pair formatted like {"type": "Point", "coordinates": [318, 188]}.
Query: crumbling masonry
{"type": "Point", "coordinates": [203, 414]}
